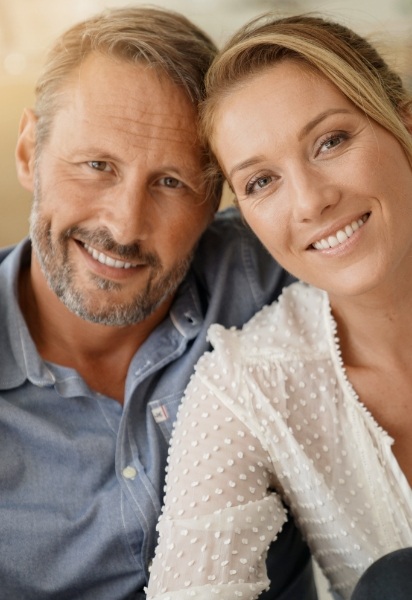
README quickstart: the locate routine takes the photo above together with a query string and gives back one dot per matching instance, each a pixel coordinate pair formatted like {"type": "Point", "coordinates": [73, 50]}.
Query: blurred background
{"type": "Point", "coordinates": [27, 28]}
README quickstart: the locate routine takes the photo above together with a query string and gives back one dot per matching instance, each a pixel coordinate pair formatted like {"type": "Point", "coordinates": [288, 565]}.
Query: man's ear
{"type": "Point", "coordinates": [25, 149]}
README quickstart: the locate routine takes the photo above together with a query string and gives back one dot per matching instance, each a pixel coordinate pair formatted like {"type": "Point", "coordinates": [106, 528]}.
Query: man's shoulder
{"type": "Point", "coordinates": [228, 222]}
{"type": "Point", "coordinates": [12, 258]}
{"type": "Point", "coordinates": [4, 252]}
{"type": "Point", "coordinates": [234, 267]}
{"type": "Point", "coordinates": [229, 238]}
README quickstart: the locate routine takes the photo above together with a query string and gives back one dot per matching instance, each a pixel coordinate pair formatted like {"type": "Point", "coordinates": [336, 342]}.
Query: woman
{"type": "Point", "coordinates": [309, 405]}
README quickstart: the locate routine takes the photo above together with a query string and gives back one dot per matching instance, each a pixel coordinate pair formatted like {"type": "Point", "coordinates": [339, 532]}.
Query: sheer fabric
{"type": "Point", "coordinates": [270, 417]}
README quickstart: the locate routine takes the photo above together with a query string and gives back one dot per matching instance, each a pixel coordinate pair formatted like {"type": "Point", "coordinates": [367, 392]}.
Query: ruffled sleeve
{"type": "Point", "coordinates": [220, 513]}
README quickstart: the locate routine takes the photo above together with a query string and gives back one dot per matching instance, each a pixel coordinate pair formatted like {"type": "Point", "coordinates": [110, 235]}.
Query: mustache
{"type": "Point", "coordinates": [105, 242]}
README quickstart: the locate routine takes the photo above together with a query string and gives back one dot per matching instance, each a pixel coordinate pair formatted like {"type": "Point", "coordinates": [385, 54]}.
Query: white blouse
{"type": "Point", "coordinates": [270, 418]}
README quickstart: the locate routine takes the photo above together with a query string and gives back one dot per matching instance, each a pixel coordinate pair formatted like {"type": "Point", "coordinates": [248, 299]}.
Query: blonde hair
{"type": "Point", "coordinates": [163, 39]}
{"type": "Point", "coordinates": [348, 60]}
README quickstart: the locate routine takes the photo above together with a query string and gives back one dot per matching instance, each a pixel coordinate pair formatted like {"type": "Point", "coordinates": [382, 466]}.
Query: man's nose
{"type": "Point", "coordinates": [128, 214]}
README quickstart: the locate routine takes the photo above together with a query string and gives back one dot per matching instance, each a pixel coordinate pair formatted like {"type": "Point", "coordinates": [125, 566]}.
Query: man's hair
{"type": "Point", "coordinates": [162, 39]}
{"type": "Point", "coordinates": [346, 59]}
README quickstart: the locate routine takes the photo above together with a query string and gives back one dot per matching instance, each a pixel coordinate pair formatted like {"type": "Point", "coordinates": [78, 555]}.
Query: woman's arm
{"type": "Point", "coordinates": [220, 514]}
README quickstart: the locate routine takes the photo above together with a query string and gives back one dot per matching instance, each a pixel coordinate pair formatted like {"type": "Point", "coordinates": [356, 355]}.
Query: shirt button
{"type": "Point", "coordinates": [129, 472]}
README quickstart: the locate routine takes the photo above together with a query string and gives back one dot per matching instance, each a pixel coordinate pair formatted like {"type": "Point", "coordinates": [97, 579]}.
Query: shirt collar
{"type": "Point", "coordinates": [19, 359]}
{"type": "Point", "coordinates": [186, 312]}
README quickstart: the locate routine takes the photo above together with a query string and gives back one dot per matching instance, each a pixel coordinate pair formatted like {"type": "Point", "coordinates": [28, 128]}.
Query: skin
{"type": "Point", "coordinates": [305, 186]}
{"type": "Point", "coordinates": [304, 163]}
{"type": "Point", "coordinates": [120, 174]}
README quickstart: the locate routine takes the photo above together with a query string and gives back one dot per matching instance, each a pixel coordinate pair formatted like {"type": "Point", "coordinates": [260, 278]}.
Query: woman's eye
{"type": "Point", "coordinates": [258, 184]}
{"type": "Point", "coordinates": [170, 182]}
{"type": "Point", "coordinates": [332, 141]}
{"type": "Point", "coordinates": [99, 165]}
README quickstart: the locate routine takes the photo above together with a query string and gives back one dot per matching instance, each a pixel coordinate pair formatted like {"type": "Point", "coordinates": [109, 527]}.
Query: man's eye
{"type": "Point", "coordinates": [170, 182]}
{"type": "Point", "coordinates": [99, 165]}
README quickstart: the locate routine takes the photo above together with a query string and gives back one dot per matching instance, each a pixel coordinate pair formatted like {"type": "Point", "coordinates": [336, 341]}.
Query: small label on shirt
{"type": "Point", "coordinates": [160, 414]}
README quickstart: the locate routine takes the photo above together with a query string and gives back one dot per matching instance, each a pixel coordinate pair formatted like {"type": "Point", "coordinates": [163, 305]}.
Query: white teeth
{"type": "Point", "coordinates": [340, 236]}
{"type": "Point", "coordinates": [110, 261]}
{"type": "Point", "coordinates": [107, 260]}
{"type": "Point", "coordinates": [333, 241]}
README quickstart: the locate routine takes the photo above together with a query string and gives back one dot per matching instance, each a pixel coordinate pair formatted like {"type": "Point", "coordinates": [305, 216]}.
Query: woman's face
{"type": "Point", "coordinates": [327, 190]}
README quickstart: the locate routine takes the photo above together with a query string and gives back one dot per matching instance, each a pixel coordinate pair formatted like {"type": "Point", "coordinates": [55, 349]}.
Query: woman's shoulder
{"type": "Point", "coordinates": [293, 325]}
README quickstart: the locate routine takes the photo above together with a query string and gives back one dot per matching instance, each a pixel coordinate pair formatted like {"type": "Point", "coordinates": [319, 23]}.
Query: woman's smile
{"type": "Point", "coordinates": [341, 236]}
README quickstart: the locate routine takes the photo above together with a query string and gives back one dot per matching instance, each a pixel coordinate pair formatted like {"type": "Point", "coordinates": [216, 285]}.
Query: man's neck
{"type": "Point", "coordinates": [101, 354]}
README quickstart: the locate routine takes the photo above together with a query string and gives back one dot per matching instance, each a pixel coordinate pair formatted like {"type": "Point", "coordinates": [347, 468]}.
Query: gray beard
{"type": "Point", "coordinates": [95, 306]}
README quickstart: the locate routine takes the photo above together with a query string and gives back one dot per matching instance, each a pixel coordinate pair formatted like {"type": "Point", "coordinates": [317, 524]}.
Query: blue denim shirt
{"type": "Point", "coordinates": [81, 476]}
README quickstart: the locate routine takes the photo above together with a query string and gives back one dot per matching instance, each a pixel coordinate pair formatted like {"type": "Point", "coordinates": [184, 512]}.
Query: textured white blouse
{"type": "Point", "coordinates": [270, 418]}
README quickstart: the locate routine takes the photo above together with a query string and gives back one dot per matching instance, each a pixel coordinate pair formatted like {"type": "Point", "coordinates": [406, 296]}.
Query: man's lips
{"type": "Point", "coordinates": [109, 261]}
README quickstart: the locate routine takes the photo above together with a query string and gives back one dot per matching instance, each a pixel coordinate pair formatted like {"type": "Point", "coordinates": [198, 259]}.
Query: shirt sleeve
{"type": "Point", "coordinates": [220, 513]}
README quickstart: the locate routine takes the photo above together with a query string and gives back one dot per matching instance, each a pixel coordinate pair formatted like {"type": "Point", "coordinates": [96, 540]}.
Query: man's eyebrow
{"type": "Point", "coordinates": [92, 152]}
{"type": "Point", "coordinates": [304, 132]}
{"type": "Point", "coordinates": [318, 119]}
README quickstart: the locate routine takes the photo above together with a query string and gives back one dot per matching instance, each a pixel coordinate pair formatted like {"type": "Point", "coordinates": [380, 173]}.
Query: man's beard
{"type": "Point", "coordinates": [96, 305]}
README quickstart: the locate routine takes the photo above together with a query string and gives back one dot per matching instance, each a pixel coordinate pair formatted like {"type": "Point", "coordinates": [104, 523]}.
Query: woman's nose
{"type": "Point", "coordinates": [311, 195]}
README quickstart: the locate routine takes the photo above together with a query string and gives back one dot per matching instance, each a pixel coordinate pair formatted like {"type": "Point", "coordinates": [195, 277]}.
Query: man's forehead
{"type": "Point", "coordinates": [151, 89]}
{"type": "Point", "coordinates": [129, 95]}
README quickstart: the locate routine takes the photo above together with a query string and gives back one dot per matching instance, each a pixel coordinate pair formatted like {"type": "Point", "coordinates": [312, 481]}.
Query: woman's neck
{"type": "Point", "coordinates": [375, 327]}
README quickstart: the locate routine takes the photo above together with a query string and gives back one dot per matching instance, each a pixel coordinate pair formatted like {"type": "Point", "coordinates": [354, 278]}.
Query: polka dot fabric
{"type": "Point", "coordinates": [270, 418]}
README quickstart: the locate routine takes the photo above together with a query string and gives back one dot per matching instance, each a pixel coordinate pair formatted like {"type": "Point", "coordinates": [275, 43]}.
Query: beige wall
{"type": "Point", "coordinates": [15, 202]}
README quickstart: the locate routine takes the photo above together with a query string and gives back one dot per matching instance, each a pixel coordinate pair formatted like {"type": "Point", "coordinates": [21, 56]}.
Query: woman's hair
{"type": "Point", "coordinates": [346, 59]}
{"type": "Point", "coordinates": [162, 39]}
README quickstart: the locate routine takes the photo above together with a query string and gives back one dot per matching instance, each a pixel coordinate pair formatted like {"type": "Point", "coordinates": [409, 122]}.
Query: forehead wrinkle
{"type": "Point", "coordinates": [152, 107]}
{"type": "Point", "coordinates": [135, 111]}
{"type": "Point", "coordinates": [154, 125]}
{"type": "Point", "coordinates": [150, 129]}
{"type": "Point", "coordinates": [151, 134]}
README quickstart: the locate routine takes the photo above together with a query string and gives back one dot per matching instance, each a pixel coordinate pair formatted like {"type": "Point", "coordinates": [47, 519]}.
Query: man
{"type": "Point", "coordinates": [105, 310]}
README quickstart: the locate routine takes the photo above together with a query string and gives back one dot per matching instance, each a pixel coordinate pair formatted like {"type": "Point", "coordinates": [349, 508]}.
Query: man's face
{"type": "Point", "coordinates": [119, 195]}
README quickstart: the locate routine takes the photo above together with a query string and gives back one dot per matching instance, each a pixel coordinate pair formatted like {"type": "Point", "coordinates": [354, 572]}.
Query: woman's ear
{"type": "Point", "coordinates": [25, 149]}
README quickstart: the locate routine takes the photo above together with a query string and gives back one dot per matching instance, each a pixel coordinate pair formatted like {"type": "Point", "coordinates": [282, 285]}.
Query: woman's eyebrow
{"type": "Point", "coordinates": [245, 164]}
{"type": "Point", "coordinates": [318, 119]}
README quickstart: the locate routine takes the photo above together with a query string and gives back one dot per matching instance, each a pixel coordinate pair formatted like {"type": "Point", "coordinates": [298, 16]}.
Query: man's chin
{"type": "Point", "coordinates": [111, 312]}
